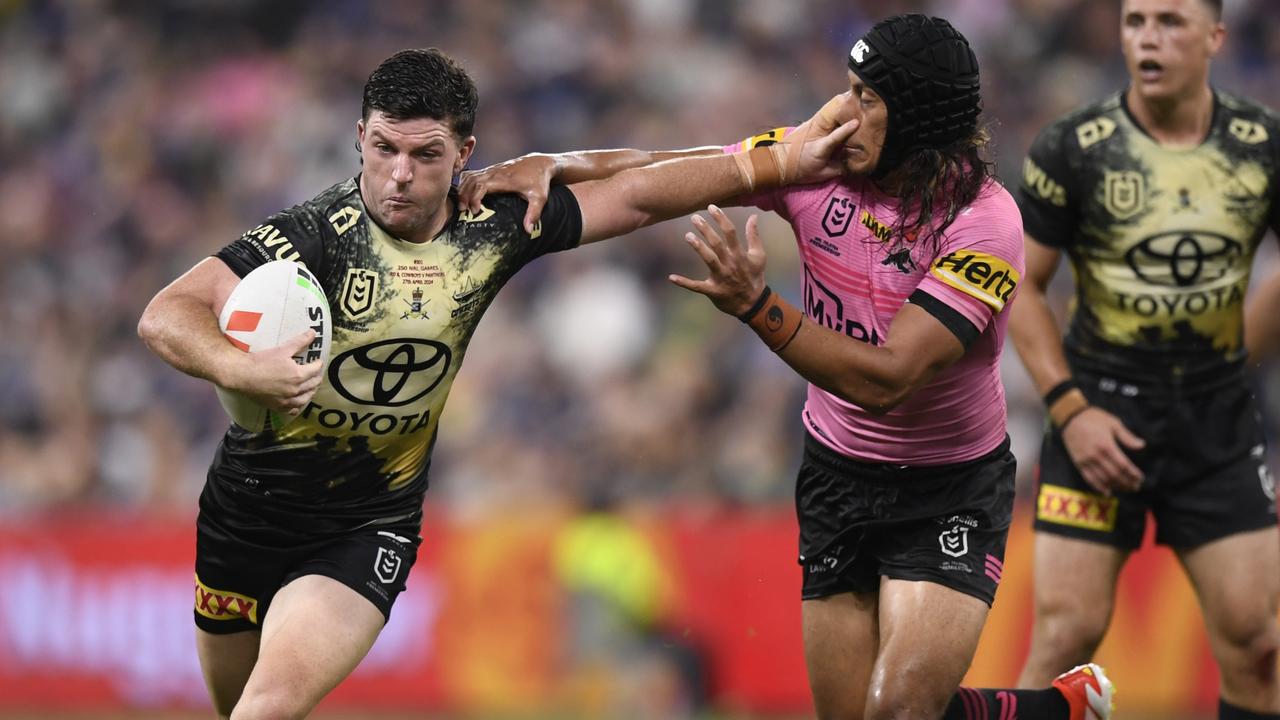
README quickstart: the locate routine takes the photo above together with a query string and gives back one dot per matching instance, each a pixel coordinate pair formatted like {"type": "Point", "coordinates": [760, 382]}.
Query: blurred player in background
{"type": "Point", "coordinates": [1159, 195]}
{"type": "Point", "coordinates": [306, 535]}
{"type": "Point", "coordinates": [905, 493]}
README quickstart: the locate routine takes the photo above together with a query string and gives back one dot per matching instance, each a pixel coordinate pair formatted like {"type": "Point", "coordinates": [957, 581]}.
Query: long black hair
{"type": "Point", "coordinates": [934, 185]}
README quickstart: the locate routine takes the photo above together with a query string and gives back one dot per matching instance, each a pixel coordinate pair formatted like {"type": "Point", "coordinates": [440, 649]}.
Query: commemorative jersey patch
{"type": "Point", "coordinates": [1064, 506]}
{"type": "Point", "coordinates": [980, 275]}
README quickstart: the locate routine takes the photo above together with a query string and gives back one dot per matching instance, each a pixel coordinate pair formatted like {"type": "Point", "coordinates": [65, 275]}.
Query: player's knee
{"type": "Point", "coordinates": [1071, 631]}
{"type": "Point", "coordinates": [907, 695]}
{"type": "Point", "coordinates": [1250, 642]}
{"type": "Point", "coordinates": [270, 705]}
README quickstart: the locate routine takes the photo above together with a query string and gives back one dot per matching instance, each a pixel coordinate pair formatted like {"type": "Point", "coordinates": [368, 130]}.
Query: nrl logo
{"type": "Point", "coordinates": [1123, 193]}
{"type": "Point", "coordinates": [358, 291]}
{"type": "Point", "coordinates": [955, 542]}
{"type": "Point", "coordinates": [387, 565]}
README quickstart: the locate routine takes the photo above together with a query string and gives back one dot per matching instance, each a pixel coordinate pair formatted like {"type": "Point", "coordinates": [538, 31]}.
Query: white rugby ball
{"type": "Point", "coordinates": [271, 304]}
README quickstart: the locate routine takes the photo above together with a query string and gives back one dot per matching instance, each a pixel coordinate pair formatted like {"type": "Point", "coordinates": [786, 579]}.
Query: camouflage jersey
{"type": "Point", "coordinates": [1161, 240]}
{"type": "Point", "coordinates": [403, 315]}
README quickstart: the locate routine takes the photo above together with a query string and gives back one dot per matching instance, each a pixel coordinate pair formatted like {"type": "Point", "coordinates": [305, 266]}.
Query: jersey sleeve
{"type": "Point", "coordinates": [295, 234]}
{"type": "Point", "coordinates": [976, 272]}
{"type": "Point", "coordinates": [1044, 195]}
{"type": "Point", "coordinates": [1274, 219]}
{"type": "Point", "coordinates": [558, 228]}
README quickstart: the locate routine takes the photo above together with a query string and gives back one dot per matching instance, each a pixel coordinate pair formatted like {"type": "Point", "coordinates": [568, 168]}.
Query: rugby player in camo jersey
{"type": "Point", "coordinates": [1158, 196]}
{"type": "Point", "coordinates": [306, 535]}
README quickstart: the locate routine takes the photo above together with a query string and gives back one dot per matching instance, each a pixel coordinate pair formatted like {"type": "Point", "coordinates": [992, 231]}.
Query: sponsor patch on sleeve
{"type": "Point", "coordinates": [985, 277]}
{"type": "Point", "coordinates": [765, 139]}
{"type": "Point", "coordinates": [1064, 506]}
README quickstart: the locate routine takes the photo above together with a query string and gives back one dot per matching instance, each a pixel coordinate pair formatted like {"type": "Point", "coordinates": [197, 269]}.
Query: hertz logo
{"type": "Point", "coordinates": [1039, 182]}
{"type": "Point", "coordinates": [985, 277]}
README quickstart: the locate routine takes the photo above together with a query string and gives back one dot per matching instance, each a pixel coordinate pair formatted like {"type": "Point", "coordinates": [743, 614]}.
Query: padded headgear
{"type": "Point", "coordinates": [927, 75]}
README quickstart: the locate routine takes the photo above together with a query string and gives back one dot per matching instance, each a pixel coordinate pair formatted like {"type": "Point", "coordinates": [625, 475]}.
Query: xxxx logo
{"type": "Point", "coordinates": [1065, 506]}
{"type": "Point", "coordinates": [224, 605]}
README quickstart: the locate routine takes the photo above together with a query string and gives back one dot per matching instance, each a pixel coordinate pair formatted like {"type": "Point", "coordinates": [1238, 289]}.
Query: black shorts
{"type": "Point", "coordinates": [1204, 467]}
{"type": "Point", "coordinates": [239, 568]}
{"type": "Point", "coordinates": [945, 524]}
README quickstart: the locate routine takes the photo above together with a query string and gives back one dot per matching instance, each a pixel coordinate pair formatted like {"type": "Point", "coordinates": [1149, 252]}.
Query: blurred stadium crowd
{"type": "Point", "coordinates": [137, 137]}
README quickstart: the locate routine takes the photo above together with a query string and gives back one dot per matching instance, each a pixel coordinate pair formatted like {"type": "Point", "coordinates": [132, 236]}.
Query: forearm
{"type": "Point", "coordinates": [876, 377]}
{"type": "Point", "coordinates": [860, 373]}
{"type": "Point", "coordinates": [643, 196]}
{"type": "Point", "coordinates": [1038, 340]}
{"type": "Point", "coordinates": [183, 332]}
{"type": "Point", "coordinates": [585, 165]}
{"type": "Point", "coordinates": [1262, 322]}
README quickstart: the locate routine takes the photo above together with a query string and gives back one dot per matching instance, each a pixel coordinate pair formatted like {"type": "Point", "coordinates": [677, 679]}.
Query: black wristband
{"type": "Point", "coordinates": [757, 305]}
{"type": "Point", "coordinates": [1057, 391]}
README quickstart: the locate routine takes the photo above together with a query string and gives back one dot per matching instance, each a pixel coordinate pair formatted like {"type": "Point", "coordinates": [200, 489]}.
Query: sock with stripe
{"type": "Point", "coordinates": [984, 704]}
{"type": "Point", "coordinates": [1227, 711]}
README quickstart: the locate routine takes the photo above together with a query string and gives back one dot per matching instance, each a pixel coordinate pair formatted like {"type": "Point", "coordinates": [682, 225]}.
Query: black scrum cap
{"type": "Point", "coordinates": [928, 76]}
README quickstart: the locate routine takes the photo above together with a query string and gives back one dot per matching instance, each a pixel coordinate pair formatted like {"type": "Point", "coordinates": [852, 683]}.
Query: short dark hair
{"type": "Point", "coordinates": [1216, 7]}
{"type": "Point", "coordinates": [423, 83]}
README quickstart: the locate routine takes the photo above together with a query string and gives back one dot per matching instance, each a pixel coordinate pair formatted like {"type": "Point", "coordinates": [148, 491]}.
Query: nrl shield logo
{"type": "Point", "coordinates": [835, 221]}
{"type": "Point", "coordinates": [1123, 193]}
{"type": "Point", "coordinates": [358, 291]}
{"type": "Point", "coordinates": [387, 565]}
{"type": "Point", "coordinates": [955, 542]}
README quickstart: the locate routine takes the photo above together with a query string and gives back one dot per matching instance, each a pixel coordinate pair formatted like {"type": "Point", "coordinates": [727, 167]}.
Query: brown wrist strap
{"type": "Point", "coordinates": [777, 322]}
{"type": "Point", "coordinates": [1066, 407]}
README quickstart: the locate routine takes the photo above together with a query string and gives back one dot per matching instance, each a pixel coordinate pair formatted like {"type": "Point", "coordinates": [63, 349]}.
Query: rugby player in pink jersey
{"type": "Point", "coordinates": [910, 262]}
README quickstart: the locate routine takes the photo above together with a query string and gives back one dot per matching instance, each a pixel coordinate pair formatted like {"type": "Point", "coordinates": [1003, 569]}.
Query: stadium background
{"type": "Point", "coordinates": [609, 530]}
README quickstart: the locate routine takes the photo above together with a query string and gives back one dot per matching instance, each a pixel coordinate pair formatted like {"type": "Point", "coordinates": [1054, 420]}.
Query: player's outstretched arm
{"type": "Point", "coordinates": [531, 175]}
{"type": "Point", "coordinates": [180, 325]}
{"type": "Point", "coordinates": [876, 378]}
{"type": "Point", "coordinates": [1093, 437]}
{"type": "Point", "coordinates": [643, 196]}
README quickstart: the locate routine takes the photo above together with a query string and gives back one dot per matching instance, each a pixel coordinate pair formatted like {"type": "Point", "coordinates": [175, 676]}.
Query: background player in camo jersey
{"type": "Point", "coordinates": [1159, 196]}
{"type": "Point", "coordinates": [306, 535]}
{"type": "Point", "coordinates": [905, 494]}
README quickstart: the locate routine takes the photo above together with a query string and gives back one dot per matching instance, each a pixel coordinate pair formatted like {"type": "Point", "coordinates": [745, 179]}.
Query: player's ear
{"type": "Point", "coordinates": [464, 154]}
{"type": "Point", "coordinates": [360, 133]}
{"type": "Point", "coordinates": [1216, 38]}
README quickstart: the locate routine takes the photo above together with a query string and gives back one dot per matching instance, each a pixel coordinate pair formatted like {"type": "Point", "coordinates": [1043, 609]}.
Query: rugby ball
{"type": "Point", "coordinates": [271, 304]}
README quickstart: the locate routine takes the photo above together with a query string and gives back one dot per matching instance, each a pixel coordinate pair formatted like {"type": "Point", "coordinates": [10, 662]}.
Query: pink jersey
{"type": "Point", "coordinates": [853, 284]}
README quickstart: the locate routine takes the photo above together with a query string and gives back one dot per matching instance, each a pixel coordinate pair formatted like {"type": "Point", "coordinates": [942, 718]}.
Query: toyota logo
{"type": "Point", "coordinates": [390, 373]}
{"type": "Point", "coordinates": [1182, 259]}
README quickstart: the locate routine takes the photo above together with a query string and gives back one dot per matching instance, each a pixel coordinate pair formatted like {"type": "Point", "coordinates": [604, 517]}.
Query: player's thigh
{"type": "Point", "coordinates": [226, 662]}
{"type": "Point", "coordinates": [315, 633]}
{"type": "Point", "coordinates": [841, 638]}
{"type": "Point", "coordinates": [1075, 579]}
{"type": "Point", "coordinates": [1237, 579]}
{"type": "Point", "coordinates": [928, 636]}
